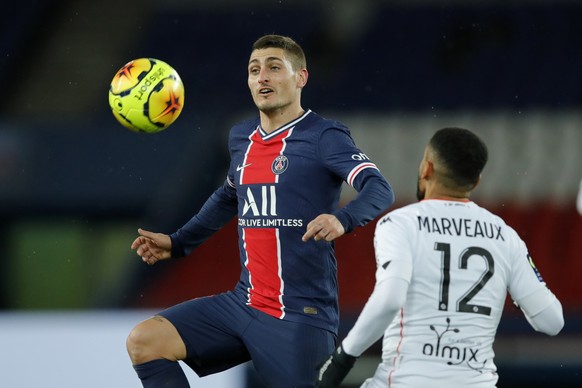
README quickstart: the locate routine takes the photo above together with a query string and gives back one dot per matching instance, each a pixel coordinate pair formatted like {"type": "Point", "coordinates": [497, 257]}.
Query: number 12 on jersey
{"type": "Point", "coordinates": [463, 304]}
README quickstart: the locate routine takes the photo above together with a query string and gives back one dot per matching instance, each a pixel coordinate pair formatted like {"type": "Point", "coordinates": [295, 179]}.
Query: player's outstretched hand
{"type": "Point", "coordinates": [152, 247]}
{"type": "Point", "coordinates": [335, 369]}
{"type": "Point", "coordinates": [324, 227]}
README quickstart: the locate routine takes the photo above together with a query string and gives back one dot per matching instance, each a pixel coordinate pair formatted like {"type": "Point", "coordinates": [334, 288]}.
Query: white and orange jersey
{"type": "Point", "coordinates": [460, 261]}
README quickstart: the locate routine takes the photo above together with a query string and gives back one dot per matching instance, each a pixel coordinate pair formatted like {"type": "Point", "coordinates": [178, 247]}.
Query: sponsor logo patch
{"type": "Point", "coordinates": [533, 266]}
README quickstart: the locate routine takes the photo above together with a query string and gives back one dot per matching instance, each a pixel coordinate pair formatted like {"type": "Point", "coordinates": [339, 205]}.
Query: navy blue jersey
{"type": "Point", "coordinates": [277, 183]}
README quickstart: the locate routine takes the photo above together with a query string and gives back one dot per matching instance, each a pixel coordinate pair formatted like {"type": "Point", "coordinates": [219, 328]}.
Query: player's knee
{"type": "Point", "coordinates": [154, 339]}
{"type": "Point", "coordinates": [140, 344]}
{"type": "Point", "coordinates": [136, 345]}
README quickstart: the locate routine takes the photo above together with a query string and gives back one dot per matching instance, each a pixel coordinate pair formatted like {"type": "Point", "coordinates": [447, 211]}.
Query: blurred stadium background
{"type": "Point", "coordinates": [75, 185]}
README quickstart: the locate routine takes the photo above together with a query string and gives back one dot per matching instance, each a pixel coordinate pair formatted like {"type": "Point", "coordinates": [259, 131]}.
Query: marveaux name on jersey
{"type": "Point", "coordinates": [270, 222]}
{"type": "Point", "coordinates": [460, 227]}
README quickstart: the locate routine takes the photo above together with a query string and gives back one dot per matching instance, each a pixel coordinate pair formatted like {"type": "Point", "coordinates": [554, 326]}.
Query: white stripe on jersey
{"type": "Point", "coordinates": [280, 273]}
{"type": "Point", "coordinates": [356, 170]}
{"type": "Point", "coordinates": [244, 163]}
{"type": "Point", "coordinates": [246, 266]}
{"type": "Point", "coordinates": [267, 136]}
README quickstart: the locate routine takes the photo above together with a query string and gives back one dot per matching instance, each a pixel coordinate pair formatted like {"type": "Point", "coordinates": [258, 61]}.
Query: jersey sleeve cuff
{"type": "Point", "coordinates": [177, 249]}
{"type": "Point", "coordinates": [345, 220]}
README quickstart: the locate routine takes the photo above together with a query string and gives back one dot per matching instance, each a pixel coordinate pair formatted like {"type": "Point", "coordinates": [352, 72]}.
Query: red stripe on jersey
{"type": "Point", "coordinates": [356, 170]}
{"type": "Point", "coordinates": [264, 266]}
{"type": "Point", "coordinates": [262, 245]}
{"type": "Point", "coordinates": [260, 156]}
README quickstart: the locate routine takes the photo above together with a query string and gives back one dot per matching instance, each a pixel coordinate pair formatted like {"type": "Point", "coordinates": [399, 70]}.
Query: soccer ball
{"type": "Point", "coordinates": [146, 95]}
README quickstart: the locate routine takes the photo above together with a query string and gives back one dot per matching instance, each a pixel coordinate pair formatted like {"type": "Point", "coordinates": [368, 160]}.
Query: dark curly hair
{"type": "Point", "coordinates": [462, 154]}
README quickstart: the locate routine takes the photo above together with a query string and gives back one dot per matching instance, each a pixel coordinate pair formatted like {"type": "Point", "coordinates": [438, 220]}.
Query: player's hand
{"type": "Point", "coordinates": [324, 227]}
{"type": "Point", "coordinates": [335, 369]}
{"type": "Point", "coordinates": [152, 247]}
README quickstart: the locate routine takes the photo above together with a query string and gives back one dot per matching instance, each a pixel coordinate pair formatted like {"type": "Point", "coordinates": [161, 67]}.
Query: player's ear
{"type": "Point", "coordinates": [427, 169]}
{"type": "Point", "coordinates": [428, 166]}
{"type": "Point", "coordinates": [302, 76]}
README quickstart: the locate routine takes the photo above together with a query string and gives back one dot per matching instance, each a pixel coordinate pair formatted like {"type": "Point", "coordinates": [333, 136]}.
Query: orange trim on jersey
{"type": "Point", "coordinates": [397, 347]}
{"type": "Point", "coordinates": [446, 199]}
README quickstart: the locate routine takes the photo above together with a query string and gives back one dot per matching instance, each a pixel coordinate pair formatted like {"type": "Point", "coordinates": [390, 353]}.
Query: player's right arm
{"type": "Point", "coordinates": [152, 247]}
{"type": "Point", "coordinates": [220, 208]}
{"type": "Point", "coordinates": [217, 211]}
{"type": "Point", "coordinates": [393, 275]}
{"type": "Point", "coordinates": [393, 253]}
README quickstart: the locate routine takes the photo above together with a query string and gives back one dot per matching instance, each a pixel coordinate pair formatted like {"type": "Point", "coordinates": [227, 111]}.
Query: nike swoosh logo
{"type": "Point", "coordinates": [239, 167]}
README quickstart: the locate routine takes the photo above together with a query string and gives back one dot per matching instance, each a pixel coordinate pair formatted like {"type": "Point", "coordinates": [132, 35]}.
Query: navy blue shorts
{"type": "Point", "coordinates": [221, 331]}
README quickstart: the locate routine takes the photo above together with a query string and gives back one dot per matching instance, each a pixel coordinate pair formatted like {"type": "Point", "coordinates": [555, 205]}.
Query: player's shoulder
{"type": "Point", "coordinates": [241, 131]}
{"type": "Point", "coordinates": [486, 213]}
{"type": "Point", "coordinates": [245, 125]}
{"type": "Point", "coordinates": [439, 208]}
{"type": "Point", "coordinates": [508, 230]}
{"type": "Point", "coordinates": [402, 215]}
{"type": "Point", "coordinates": [319, 124]}
{"type": "Point", "coordinates": [483, 216]}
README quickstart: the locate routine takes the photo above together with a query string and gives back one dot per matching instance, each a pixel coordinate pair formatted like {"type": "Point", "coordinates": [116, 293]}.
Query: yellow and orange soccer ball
{"type": "Point", "coordinates": [146, 95]}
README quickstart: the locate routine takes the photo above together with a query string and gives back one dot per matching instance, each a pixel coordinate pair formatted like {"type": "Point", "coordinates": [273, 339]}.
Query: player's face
{"type": "Point", "coordinates": [273, 83]}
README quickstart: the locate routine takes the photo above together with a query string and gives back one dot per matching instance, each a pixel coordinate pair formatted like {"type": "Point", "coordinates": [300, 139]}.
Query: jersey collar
{"type": "Point", "coordinates": [285, 127]}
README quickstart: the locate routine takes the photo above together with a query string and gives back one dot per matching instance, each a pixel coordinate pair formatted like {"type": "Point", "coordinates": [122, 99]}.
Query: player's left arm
{"type": "Point", "coordinates": [339, 152]}
{"type": "Point", "coordinates": [529, 291]}
{"type": "Point", "coordinates": [324, 227]}
{"type": "Point", "coordinates": [548, 320]}
{"type": "Point", "coordinates": [540, 306]}
{"type": "Point", "coordinates": [375, 196]}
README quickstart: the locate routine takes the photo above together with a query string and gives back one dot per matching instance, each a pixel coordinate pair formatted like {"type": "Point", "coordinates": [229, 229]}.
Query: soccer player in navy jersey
{"type": "Point", "coordinates": [286, 171]}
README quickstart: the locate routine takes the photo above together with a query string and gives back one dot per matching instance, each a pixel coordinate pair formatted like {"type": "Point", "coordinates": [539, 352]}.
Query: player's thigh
{"type": "Point", "coordinates": [211, 328]}
{"type": "Point", "coordinates": [287, 354]}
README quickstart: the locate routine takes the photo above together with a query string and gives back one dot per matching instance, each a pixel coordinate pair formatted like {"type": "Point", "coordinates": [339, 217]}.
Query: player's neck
{"type": "Point", "coordinates": [439, 192]}
{"type": "Point", "coordinates": [448, 198]}
{"type": "Point", "coordinates": [272, 120]}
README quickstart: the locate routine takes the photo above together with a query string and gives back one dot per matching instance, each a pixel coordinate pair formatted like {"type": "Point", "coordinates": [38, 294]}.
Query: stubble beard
{"type": "Point", "coordinates": [272, 107]}
{"type": "Point", "coordinates": [419, 193]}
